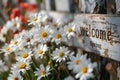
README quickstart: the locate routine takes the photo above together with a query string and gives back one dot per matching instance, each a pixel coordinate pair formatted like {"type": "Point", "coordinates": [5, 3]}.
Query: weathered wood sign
{"type": "Point", "coordinates": [99, 34]}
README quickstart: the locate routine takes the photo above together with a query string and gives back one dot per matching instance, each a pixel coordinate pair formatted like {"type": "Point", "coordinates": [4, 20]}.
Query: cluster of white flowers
{"type": "Point", "coordinates": [13, 25]}
{"type": "Point", "coordinates": [46, 45]}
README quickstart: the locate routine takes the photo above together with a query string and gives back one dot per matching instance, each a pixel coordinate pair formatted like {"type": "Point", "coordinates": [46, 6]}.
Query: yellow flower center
{"type": "Point", "coordinates": [15, 42]}
{"type": "Point", "coordinates": [58, 36]}
{"type": "Point", "coordinates": [28, 39]}
{"type": "Point", "coordinates": [55, 24]}
{"type": "Point", "coordinates": [61, 54]}
{"type": "Point", "coordinates": [7, 49]}
{"type": "Point", "coordinates": [34, 19]}
{"type": "Point", "coordinates": [49, 62]}
{"type": "Point", "coordinates": [15, 78]}
{"type": "Point", "coordinates": [69, 29]}
{"type": "Point", "coordinates": [40, 51]}
{"type": "Point", "coordinates": [77, 61]}
{"type": "Point", "coordinates": [84, 69]}
{"type": "Point", "coordinates": [22, 65]}
{"type": "Point", "coordinates": [44, 34]}
{"type": "Point", "coordinates": [43, 72]}
{"type": "Point", "coordinates": [25, 55]}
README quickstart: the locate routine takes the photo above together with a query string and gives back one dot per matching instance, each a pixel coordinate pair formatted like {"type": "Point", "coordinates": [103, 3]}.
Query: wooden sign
{"type": "Point", "coordinates": [99, 34]}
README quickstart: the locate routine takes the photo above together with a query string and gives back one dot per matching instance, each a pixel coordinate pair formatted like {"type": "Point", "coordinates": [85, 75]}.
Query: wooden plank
{"type": "Point", "coordinates": [50, 5]}
{"type": "Point", "coordinates": [87, 6]}
{"type": "Point", "coordinates": [111, 6]}
{"type": "Point", "coordinates": [118, 6]}
{"type": "Point", "coordinates": [99, 34]}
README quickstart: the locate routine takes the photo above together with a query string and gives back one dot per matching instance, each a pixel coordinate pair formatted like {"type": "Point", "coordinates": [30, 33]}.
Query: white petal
{"type": "Point", "coordinates": [78, 75]}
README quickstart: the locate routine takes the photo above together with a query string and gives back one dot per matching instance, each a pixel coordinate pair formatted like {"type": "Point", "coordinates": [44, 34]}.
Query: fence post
{"type": "Point", "coordinates": [111, 7]}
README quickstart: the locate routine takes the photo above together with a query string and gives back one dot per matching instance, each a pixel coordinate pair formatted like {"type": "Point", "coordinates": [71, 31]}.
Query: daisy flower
{"type": "Point", "coordinates": [27, 38]}
{"type": "Point", "coordinates": [24, 55]}
{"type": "Point", "coordinates": [85, 71]}
{"type": "Point", "coordinates": [15, 75]}
{"type": "Point", "coordinates": [59, 36]}
{"type": "Point", "coordinates": [15, 24]}
{"type": "Point", "coordinates": [44, 17]}
{"type": "Point", "coordinates": [34, 19]}
{"type": "Point", "coordinates": [75, 62]}
{"type": "Point", "coordinates": [70, 30]}
{"type": "Point", "coordinates": [40, 50]}
{"type": "Point", "coordinates": [15, 44]}
{"type": "Point", "coordinates": [6, 49]}
{"type": "Point", "coordinates": [60, 54]}
{"type": "Point", "coordinates": [43, 35]}
{"type": "Point", "coordinates": [42, 71]}
{"type": "Point", "coordinates": [21, 66]}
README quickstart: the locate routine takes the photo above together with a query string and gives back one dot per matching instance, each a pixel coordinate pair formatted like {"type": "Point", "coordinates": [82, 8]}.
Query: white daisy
{"type": "Point", "coordinates": [60, 54]}
{"type": "Point", "coordinates": [40, 50]}
{"type": "Point", "coordinates": [34, 19]}
{"type": "Point", "coordinates": [69, 78]}
{"type": "Point", "coordinates": [75, 62]}
{"type": "Point", "coordinates": [15, 44]}
{"type": "Point", "coordinates": [27, 38]}
{"type": "Point", "coordinates": [6, 49]}
{"type": "Point", "coordinates": [21, 66]}
{"type": "Point", "coordinates": [44, 17]}
{"type": "Point", "coordinates": [43, 35]}
{"type": "Point", "coordinates": [24, 55]}
{"type": "Point", "coordinates": [70, 30]}
{"type": "Point", "coordinates": [85, 71]}
{"type": "Point", "coordinates": [15, 75]}
{"type": "Point", "coordinates": [42, 71]}
{"type": "Point", "coordinates": [15, 24]}
{"type": "Point", "coordinates": [59, 36]}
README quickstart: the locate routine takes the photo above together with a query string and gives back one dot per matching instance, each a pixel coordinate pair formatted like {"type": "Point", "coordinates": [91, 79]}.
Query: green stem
{"type": "Point", "coordinates": [46, 78]}
{"type": "Point", "coordinates": [27, 75]}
